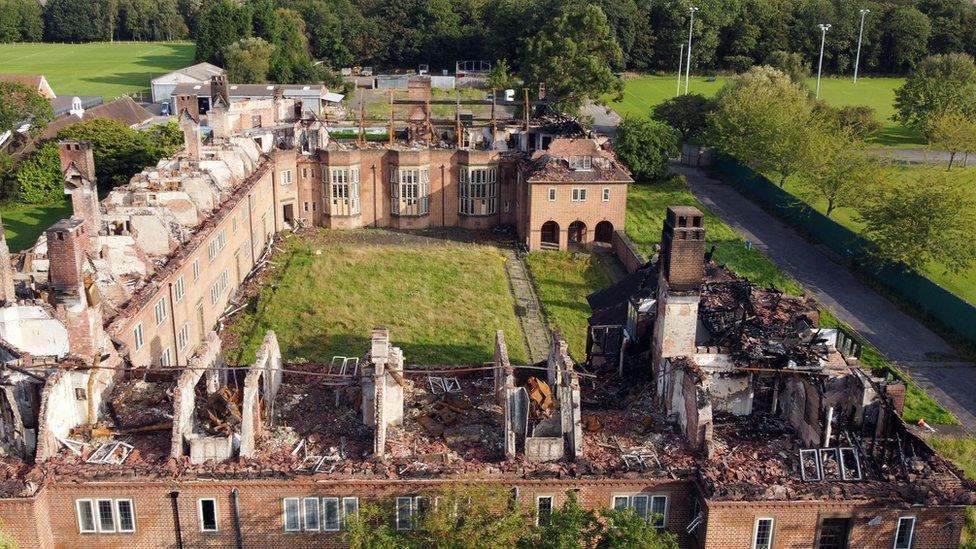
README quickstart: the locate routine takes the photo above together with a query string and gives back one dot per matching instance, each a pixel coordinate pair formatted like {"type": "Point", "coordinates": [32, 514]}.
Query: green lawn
{"type": "Point", "coordinates": [442, 301]}
{"type": "Point", "coordinates": [23, 223]}
{"type": "Point", "coordinates": [962, 284]}
{"type": "Point", "coordinates": [564, 279]}
{"type": "Point", "coordinates": [109, 69]}
{"type": "Point", "coordinates": [643, 92]}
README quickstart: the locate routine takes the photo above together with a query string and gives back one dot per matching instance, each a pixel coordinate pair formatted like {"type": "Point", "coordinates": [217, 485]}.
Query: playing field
{"type": "Point", "coordinates": [643, 92]}
{"type": "Point", "coordinates": [109, 69]}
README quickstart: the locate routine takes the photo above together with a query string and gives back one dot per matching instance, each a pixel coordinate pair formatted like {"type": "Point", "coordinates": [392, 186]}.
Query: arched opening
{"type": "Point", "coordinates": [550, 234]}
{"type": "Point", "coordinates": [604, 232]}
{"type": "Point", "coordinates": [577, 232]}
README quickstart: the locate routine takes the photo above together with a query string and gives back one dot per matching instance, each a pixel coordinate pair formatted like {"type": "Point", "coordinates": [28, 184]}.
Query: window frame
{"type": "Point", "coordinates": [650, 498]}
{"type": "Point", "coordinates": [91, 515]}
{"type": "Point", "coordinates": [196, 269]}
{"type": "Point", "coordinates": [338, 514]}
{"type": "Point", "coordinates": [118, 516]}
{"type": "Point", "coordinates": [216, 516]}
{"type": "Point", "coordinates": [286, 177]}
{"type": "Point", "coordinates": [606, 194]}
{"type": "Point", "coordinates": [284, 514]}
{"type": "Point", "coordinates": [138, 338]}
{"type": "Point", "coordinates": [755, 533]}
{"type": "Point", "coordinates": [159, 311]}
{"type": "Point", "coordinates": [552, 506]}
{"type": "Point", "coordinates": [552, 194]}
{"type": "Point", "coordinates": [409, 518]}
{"type": "Point", "coordinates": [343, 517]}
{"type": "Point", "coordinates": [98, 516]}
{"type": "Point", "coordinates": [179, 289]}
{"type": "Point", "coordinates": [911, 532]}
{"type": "Point", "coordinates": [183, 336]}
{"type": "Point", "coordinates": [166, 357]}
{"type": "Point", "coordinates": [318, 515]}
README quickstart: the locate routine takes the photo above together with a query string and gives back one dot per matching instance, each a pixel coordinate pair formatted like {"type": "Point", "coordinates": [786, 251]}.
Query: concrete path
{"type": "Point", "coordinates": [923, 156]}
{"type": "Point", "coordinates": [528, 308]}
{"type": "Point", "coordinates": [922, 353]}
{"type": "Point", "coordinates": [605, 119]}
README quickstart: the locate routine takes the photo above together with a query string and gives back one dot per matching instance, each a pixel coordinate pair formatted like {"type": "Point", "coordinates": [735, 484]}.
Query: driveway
{"type": "Point", "coordinates": [906, 342]}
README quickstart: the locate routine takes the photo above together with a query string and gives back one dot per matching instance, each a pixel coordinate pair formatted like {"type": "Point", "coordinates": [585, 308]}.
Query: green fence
{"type": "Point", "coordinates": [949, 309]}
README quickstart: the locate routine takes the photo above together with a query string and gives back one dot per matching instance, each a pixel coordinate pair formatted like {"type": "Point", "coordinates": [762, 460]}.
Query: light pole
{"type": "Point", "coordinates": [681, 56]}
{"type": "Point", "coordinates": [860, 34]}
{"type": "Point", "coordinates": [691, 26]}
{"type": "Point", "coordinates": [823, 39]}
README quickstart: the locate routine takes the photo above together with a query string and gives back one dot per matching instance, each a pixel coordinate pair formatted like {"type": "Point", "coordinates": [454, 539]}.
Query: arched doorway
{"type": "Point", "coordinates": [550, 234]}
{"type": "Point", "coordinates": [604, 232]}
{"type": "Point", "coordinates": [577, 232]}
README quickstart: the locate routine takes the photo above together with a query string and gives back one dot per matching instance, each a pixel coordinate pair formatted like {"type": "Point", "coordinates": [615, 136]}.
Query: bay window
{"type": "Point", "coordinates": [478, 190]}
{"type": "Point", "coordinates": [343, 190]}
{"type": "Point", "coordinates": [409, 189]}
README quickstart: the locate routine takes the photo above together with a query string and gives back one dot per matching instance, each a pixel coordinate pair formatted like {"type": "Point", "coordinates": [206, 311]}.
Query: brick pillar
{"type": "Point", "coordinates": [66, 243]}
{"type": "Point", "coordinates": [6, 270]}
{"type": "Point", "coordinates": [191, 134]}
{"type": "Point", "coordinates": [78, 169]}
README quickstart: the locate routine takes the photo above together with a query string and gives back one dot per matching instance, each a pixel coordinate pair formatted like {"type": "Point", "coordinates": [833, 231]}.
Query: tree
{"type": "Point", "coordinates": [688, 114]}
{"type": "Point", "coordinates": [858, 121]}
{"type": "Point", "coordinates": [499, 78]}
{"type": "Point", "coordinates": [290, 60]}
{"type": "Point", "coordinates": [219, 24]}
{"type": "Point", "coordinates": [18, 104]}
{"type": "Point", "coordinates": [38, 177]}
{"type": "Point", "coordinates": [569, 526]}
{"type": "Point", "coordinates": [767, 121]}
{"type": "Point", "coordinates": [953, 132]}
{"type": "Point", "coordinates": [247, 61]}
{"type": "Point", "coordinates": [942, 84]}
{"type": "Point", "coordinates": [792, 64]}
{"type": "Point", "coordinates": [572, 56]}
{"type": "Point", "coordinates": [842, 175]}
{"type": "Point", "coordinates": [80, 20]}
{"type": "Point", "coordinates": [906, 35]}
{"type": "Point", "coordinates": [929, 219]}
{"type": "Point", "coordinates": [625, 529]}
{"type": "Point", "coordinates": [644, 145]}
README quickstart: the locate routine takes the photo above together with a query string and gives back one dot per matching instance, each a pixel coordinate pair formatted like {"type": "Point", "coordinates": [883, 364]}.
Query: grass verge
{"type": "Point", "coordinates": [442, 302]}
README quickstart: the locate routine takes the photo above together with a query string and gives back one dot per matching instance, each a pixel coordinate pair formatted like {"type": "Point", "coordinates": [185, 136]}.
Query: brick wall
{"type": "Point", "coordinates": [564, 211]}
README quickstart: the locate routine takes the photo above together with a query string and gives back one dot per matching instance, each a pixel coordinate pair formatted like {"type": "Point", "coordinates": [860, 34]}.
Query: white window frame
{"type": "Point", "coordinates": [286, 177]}
{"type": "Point", "coordinates": [579, 194]}
{"type": "Point", "coordinates": [355, 503]}
{"type": "Point", "coordinates": [160, 310]}
{"type": "Point", "coordinates": [606, 194]}
{"type": "Point", "coordinates": [755, 533]}
{"type": "Point", "coordinates": [196, 269]}
{"type": "Point", "coordinates": [552, 505]}
{"type": "Point", "coordinates": [298, 511]}
{"type": "Point", "coordinates": [137, 337]}
{"type": "Point", "coordinates": [183, 336]}
{"type": "Point", "coordinates": [98, 516]}
{"type": "Point", "coordinates": [478, 190]}
{"type": "Point", "coordinates": [203, 527]}
{"type": "Point", "coordinates": [552, 194]}
{"type": "Point", "coordinates": [305, 515]}
{"type": "Point", "coordinates": [911, 533]}
{"type": "Point", "coordinates": [179, 289]}
{"type": "Point", "coordinates": [166, 357]}
{"type": "Point", "coordinates": [118, 516]}
{"type": "Point", "coordinates": [396, 517]}
{"type": "Point", "coordinates": [338, 514]}
{"type": "Point", "coordinates": [92, 514]}
{"type": "Point", "coordinates": [650, 497]}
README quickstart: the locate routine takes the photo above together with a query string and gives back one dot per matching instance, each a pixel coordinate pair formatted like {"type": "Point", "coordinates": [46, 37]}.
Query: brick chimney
{"type": "Point", "coordinates": [682, 271]}
{"type": "Point", "coordinates": [67, 241]}
{"type": "Point", "coordinates": [78, 170]}
{"type": "Point", "coordinates": [219, 88]}
{"type": "Point", "coordinates": [189, 103]}
{"type": "Point", "coordinates": [6, 270]}
{"type": "Point", "coordinates": [683, 248]}
{"type": "Point", "coordinates": [191, 134]}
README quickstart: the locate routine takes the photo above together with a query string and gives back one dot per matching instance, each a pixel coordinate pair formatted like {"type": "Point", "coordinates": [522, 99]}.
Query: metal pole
{"type": "Point", "coordinates": [823, 39]}
{"type": "Point", "coordinates": [860, 35]}
{"type": "Point", "coordinates": [681, 58]}
{"type": "Point", "coordinates": [691, 26]}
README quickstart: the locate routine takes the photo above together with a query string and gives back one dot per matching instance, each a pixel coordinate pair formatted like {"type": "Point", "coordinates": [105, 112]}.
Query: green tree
{"type": "Point", "coordinates": [792, 64]}
{"type": "Point", "coordinates": [572, 56]}
{"type": "Point", "coordinates": [265, 21]}
{"type": "Point", "coordinates": [942, 84]}
{"type": "Point", "coordinates": [31, 20]}
{"type": "Point", "coordinates": [499, 78]}
{"type": "Point", "coordinates": [625, 529]}
{"type": "Point", "coordinates": [842, 174]}
{"type": "Point", "coordinates": [247, 61]}
{"type": "Point", "coordinates": [858, 121]}
{"type": "Point", "coordinates": [80, 20]}
{"type": "Point", "coordinates": [570, 526]}
{"type": "Point", "coordinates": [688, 114]}
{"type": "Point", "coordinates": [219, 24]}
{"type": "Point", "coordinates": [767, 121]}
{"type": "Point", "coordinates": [18, 103]}
{"type": "Point", "coordinates": [906, 35]}
{"type": "Point", "coordinates": [929, 219]}
{"type": "Point", "coordinates": [953, 132]}
{"type": "Point", "coordinates": [644, 145]}
{"type": "Point", "coordinates": [290, 60]}
{"type": "Point", "coordinates": [38, 177]}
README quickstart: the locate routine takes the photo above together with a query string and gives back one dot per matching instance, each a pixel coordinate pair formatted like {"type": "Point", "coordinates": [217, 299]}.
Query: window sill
{"type": "Point", "coordinates": [410, 215]}
{"type": "Point", "coordinates": [461, 214]}
{"type": "Point", "coordinates": [347, 216]}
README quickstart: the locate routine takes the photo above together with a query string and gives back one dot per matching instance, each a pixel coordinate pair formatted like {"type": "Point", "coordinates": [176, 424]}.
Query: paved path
{"type": "Point", "coordinates": [605, 120]}
{"type": "Point", "coordinates": [923, 156]}
{"type": "Point", "coordinates": [905, 341]}
{"type": "Point", "coordinates": [533, 324]}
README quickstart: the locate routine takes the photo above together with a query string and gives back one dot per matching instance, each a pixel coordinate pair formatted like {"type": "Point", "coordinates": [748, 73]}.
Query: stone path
{"type": "Point", "coordinates": [527, 307]}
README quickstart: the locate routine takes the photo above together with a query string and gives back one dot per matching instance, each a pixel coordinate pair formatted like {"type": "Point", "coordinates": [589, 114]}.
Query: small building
{"type": "Point", "coordinates": [123, 109]}
{"type": "Point", "coordinates": [36, 82]}
{"type": "Point", "coordinates": [162, 86]}
{"type": "Point", "coordinates": [314, 98]}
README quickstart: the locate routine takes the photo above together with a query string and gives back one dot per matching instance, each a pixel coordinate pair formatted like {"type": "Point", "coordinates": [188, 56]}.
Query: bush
{"type": "Point", "coordinates": [38, 179]}
{"type": "Point", "coordinates": [645, 145]}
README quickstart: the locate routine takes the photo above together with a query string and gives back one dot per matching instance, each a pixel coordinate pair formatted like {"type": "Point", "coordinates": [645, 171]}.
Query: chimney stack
{"type": "Point", "coordinates": [683, 248]}
{"type": "Point", "coordinates": [78, 170]}
{"type": "Point", "coordinates": [189, 103]}
{"type": "Point", "coordinates": [66, 243]}
{"type": "Point", "coordinates": [219, 89]}
{"type": "Point", "coordinates": [191, 134]}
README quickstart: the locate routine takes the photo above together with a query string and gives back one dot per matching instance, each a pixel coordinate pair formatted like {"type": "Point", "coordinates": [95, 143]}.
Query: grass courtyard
{"type": "Point", "coordinates": [441, 300]}
{"type": "Point", "coordinates": [641, 93]}
{"type": "Point", "coordinates": [23, 223]}
{"type": "Point", "coordinates": [109, 69]}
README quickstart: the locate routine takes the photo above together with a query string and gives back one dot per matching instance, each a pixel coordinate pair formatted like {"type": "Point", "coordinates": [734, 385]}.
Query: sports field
{"type": "Point", "coordinates": [109, 69]}
{"type": "Point", "coordinates": [643, 92]}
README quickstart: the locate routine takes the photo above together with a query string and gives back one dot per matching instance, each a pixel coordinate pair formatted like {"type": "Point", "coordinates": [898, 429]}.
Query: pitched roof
{"type": "Point", "coordinates": [255, 90]}
{"type": "Point", "coordinates": [35, 82]}
{"type": "Point", "coordinates": [124, 109]}
{"type": "Point", "coordinates": [200, 72]}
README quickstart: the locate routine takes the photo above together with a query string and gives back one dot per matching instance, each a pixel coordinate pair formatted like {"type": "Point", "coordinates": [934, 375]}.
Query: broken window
{"type": "Point", "coordinates": [330, 514]}
{"type": "Point", "coordinates": [850, 464]}
{"type": "Point", "coordinates": [292, 517]}
{"type": "Point", "coordinates": [834, 533]}
{"type": "Point", "coordinates": [311, 514]}
{"type": "Point", "coordinates": [543, 510]}
{"type": "Point", "coordinates": [810, 465]}
{"type": "Point", "coordinates": [478, 191]}
{"type": "Point", "coordinates": [830, 464]}
{"type": "Point", "coordinates": [343, 192]}
{"type": "Point", "coordinates": [86, 515]}
{"type": "Point", "coordinates": [763, 538]}
{"type": "Point", "coordinates": [207, 510]}
{"type": "Point", "coordinates": [409, 191]}
{"type": "Point", "coordinates": [905, 533]}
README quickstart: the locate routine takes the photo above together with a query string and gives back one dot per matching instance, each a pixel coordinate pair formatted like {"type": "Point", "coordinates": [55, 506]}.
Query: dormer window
{"type": "Point", "coordinates": [581, 162]}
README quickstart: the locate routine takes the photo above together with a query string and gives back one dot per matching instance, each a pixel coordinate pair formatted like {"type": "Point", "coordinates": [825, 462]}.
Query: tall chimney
{"type": "Point", "coordinates": [219, 89]}
{"type": "Point", "coordinates": [191, 134]}
{"type": "Point", "coordinates": [6, 270]}
{"type": "Point", "coordinates": [683, 248]}
{"type": "Point", "coordinates": [189, 103]}
{"type": "Point", "coordinates": [78, 170]}
{"type": "Point", "coordinates": [66, 243]}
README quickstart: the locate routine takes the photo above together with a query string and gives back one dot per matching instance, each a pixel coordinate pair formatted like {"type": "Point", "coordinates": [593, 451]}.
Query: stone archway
{"type": "Point", "coordinates": [577, 232]}
{"type": "Point", "coordinates": [604, 232]}
{"type": "Point", "coordinates": [550, 234]}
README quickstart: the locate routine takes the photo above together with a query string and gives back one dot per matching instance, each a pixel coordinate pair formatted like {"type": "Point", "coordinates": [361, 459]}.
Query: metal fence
{"type": "Point", "coordinates": [949, 309]}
